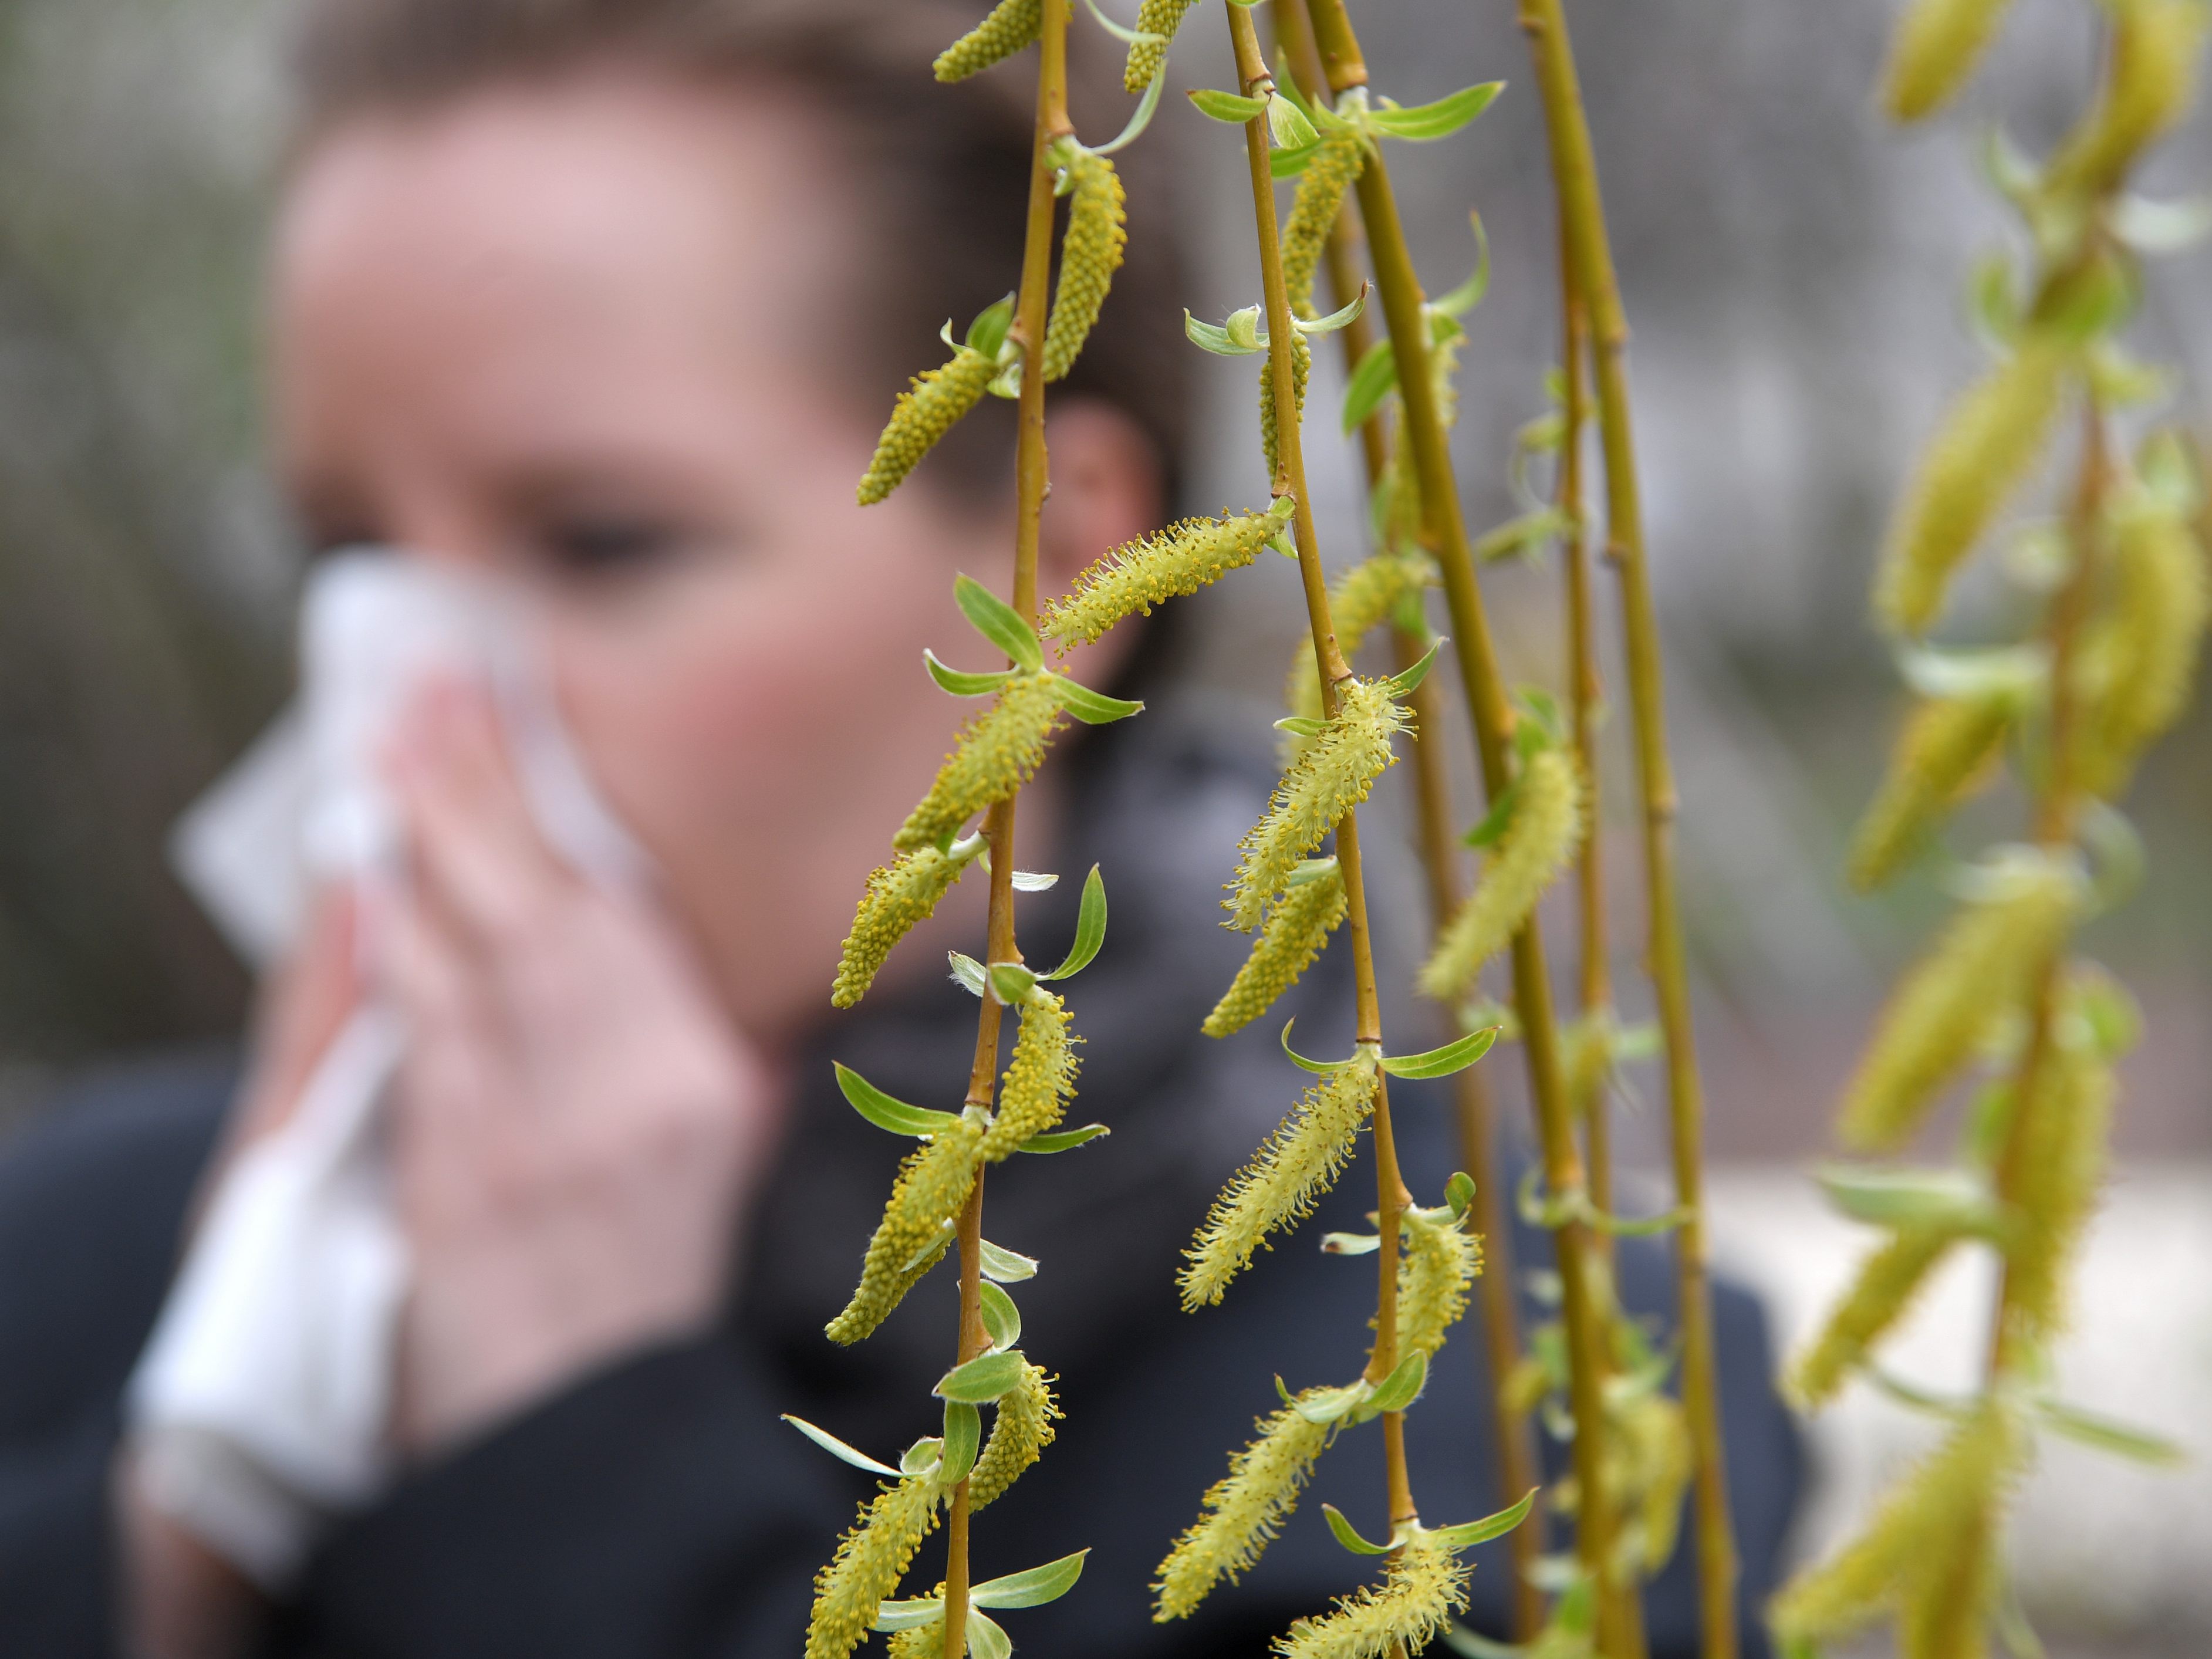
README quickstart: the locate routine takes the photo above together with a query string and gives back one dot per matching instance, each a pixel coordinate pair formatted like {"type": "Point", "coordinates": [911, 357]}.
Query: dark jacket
{"type": "Point", "coordinates": [659, 1508]}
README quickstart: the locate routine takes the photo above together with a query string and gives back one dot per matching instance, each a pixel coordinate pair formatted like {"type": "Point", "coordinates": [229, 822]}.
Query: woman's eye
{"type": "Point", "coordinates": [594, 546]}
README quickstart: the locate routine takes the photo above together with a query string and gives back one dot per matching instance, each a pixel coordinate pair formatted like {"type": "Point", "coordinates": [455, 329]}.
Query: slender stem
{"type": "Point", "coordinates": [1030, 487]}
{"type": "Point", "coordinates": [1399, 290]}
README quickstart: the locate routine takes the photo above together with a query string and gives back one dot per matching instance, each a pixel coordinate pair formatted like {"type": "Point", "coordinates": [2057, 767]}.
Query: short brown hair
{"type": "Point", "coordinates": [943, 170]}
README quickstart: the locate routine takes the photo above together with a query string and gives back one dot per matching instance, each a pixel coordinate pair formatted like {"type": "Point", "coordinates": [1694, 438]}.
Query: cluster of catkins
{"type": "Point", "coordinates": [2072, 710]}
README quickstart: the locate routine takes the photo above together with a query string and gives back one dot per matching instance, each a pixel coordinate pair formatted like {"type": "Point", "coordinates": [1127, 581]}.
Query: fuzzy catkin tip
{"type": "Point", "coordinates": [1934, 53]}
{"type": "Point", "coordinates": [1943, 754]}
{"type": "Point", "coordinates": [1539, 841]}
{"type": "Point", "coordinates": [2138, 661]}
{"type": "Point", "coordinates": [1329, 171]}
{"type": "Point", "coordinates": [997, 753]}
{"type": "Point", "coordinates": [1297, 1163]}
{"type": "Point", "coordinates": [1422, 1586]}
{"type": "Point", "coordinates": [1160, 17]}
{"type": "Point", "coordinates": [1440, 1261]}
{"type": "Point", "coordinates": [1140, 574]}
{"type": "Point", "coordinates": [1328, 781]}
{"type": "Point", "coordinates": [1989, 441]}
{"type": "Point", "coordinates": [933, 1184]}
{"type": "Point", "coordinates": [1361, 600]}
{"type": "Point", "coordinates": [1881, 1295]}
{"type": "Point", "coordinates": [1242, 1512]}
{"type": "Point", "coordinates": [1019, 1434]}
{"type": "Point", "coordinates": [1097, 233]}
{"type": "Point", "coordinates": [923, 414]}
{"type": "Point", "coordinates": [1012, 25]}
{"type": "Point", "coordinates": [870, 1561]}
{"type": "Point", "coordinates": [2156, 48]}
{"type": "Point", "coordinates": [1296, 931]}
{"type": "Point", "coordinates": [1301, 371]}
{"type": "Point", "coordinates": [1040, 1078]}
{"type": "Point", "coordinates": [897, 898]}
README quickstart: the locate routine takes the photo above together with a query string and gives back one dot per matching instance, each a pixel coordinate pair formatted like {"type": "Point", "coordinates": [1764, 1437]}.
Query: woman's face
{"type": "Point", "coordinates": [577, 332]}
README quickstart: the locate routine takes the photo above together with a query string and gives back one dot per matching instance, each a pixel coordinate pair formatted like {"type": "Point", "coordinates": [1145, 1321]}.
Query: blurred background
{"type": "Point", "coordinates": [1794, 273]}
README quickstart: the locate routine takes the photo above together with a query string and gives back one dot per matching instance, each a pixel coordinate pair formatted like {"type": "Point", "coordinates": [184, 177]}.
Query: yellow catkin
{"type": "Point", "coordinates": [997, 753]}
{"type": "Point", "coordinates": [1440, 1261]}
{"type": "Point", "coordinates": [1021, 1431]}
{"type": "Point", "coordinates": [1943, 753]}
{"type": "Point", "coordinates": [871, 1559]}
{"type": "Point", "coordinates": [1974, 977]}
{"type": "Point", "coordinates": [1296, 1165]}
{"type": "Point", "coordinates": [1989, 441]}
{"type": "Point", "coordinates": [1098, 232]}
{"type": "Point", "coordinates": [1242, 1513]}
{"type": "Point", "coordinates": [1012, 25]}
{"type": "Point", "coordinates": [897, 898]}
{"type": "Point", "coordinates": [932, 1185]}
{"type": "Point", "coordinates": [1423, 1584]}
{"type": "Point", "coordinates": [1539, 841]}
{"type": "Point", "coordinates": [1295, 933]}
{"type": "Point", "coordinates": [1950, 1491]}
{"type": "Point", "coordinates": [923, 1642]}
{"type": "Point", "coordinates": [1160, 17]}
{"type": "Point", "coordinates": [1587, 1045]}
{"type": "Point", "coordinates": [1301, 371]}
{"type": "Point", "coordinates": [1329, 171]}
{"type": "Point", "coordinates": [1952, 1594]}
{"type": "Point", "coordinates": [1140, 574]}
{"type": "Point", "coordinates": [2139, 660]}
{"type": "Point", "coordinates": [922, 414]}
{"type": "Point", "coordinates": [1647, 1469]}
{"type": "Point", "coordinates": [1361, 600]}
{"type": "Point", "coordinates": [1934, 53]}
{"type": "Point", "coordinates": [2155, 47]}
{"type": "Point", "coordinates": [1882, 1293]}
{"type": "Point", "coordinates": [2061, 1166]}
{"type": "Point", "coordinates": [1040, 1078]}
{"type": "Point", "coordinates": [1331, 777]}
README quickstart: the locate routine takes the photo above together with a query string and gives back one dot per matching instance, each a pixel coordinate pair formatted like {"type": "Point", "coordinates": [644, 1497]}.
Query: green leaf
{"type": "Point", "coordinates": [1341, 317]}
{"type": "Point", "coordinates": [1146, 107]}
{"type": "Point", "coordinates": [880, 1109]}
{"type": "Point", "coordinates": [1332, 1405]}
{"type": "Point", "coordinates": [1318, 1067]}
{"type": "Point", "coordinates": [1618, 1226]}
{"type": "Point", "coordinates": [1439, 120]}
{"type": "Point", "coordinates": [963, 1433]}
{"type": "Point", "coordinates": [1351, 1243]}
{"type": "Point", "coordinates": [1092, 707]}
{"type": "Point", "coordinates": [985, 1639]}
{"type": "Point", "coordinates": [2008, 168]}
{"type": "Point", "coordinates": [1401, 1388]}
{"type": "Point", "coordinates": [1951, 1199]}
{"type": "Point", "coordinates": [923, 1456]}
{"type": "Point", "coordinates": [1494, 821]}
{"type": "Point", "coordinates": [1459, 1193]}
{"type": "Point", "coordinates": [1348, 1535]}
{"type": "Point", "coordinates": [1530, 530]}
{"type": "Point", "coordinates": [968, 971]}
{"type": "Point", "coordinates": [1034, 1587]}
{"type": "Point", "coordinates": [1303, 726]}
{"type": "Point", "coordinates": [1004, 1266]}
{"type": "Point", "coordinates": [982, 1379]}
{"type": "Point", "coordinates": [1373, 379]}
{"type": "Point", "coordinates": [1030, 881]}
{"type": "Point", "coordinates": [910, 1615]}
{"type": "Point", "coordinates": [1001, 1318]}
{"type": "Point", "coordinates": [1287, 123]}
{"type": "Point", "coordinates": [1090, 928]}
{"type": "Point", "coordinates": [998, 623]}
{"type": "Point", "coordinates": [1232, 107]}
{"type": "Point", "coordinates": [1993, 300]}
{"type": "Point", "coordinates": [988, 331]}
{"type": "Point", "coordinates": [960, 683]}
{"type": "Point", "coordinates": [2090, 1429]}
{"type": "Point", "coordinates": [1127, 37]}
{"type": "Point", "coordinates": [836, 1447]}
{"type": "Point", "coordinates": [1455, 1056]}
{"type": "Point", "coordinates": [1290, 163]}
{"type": "Point", "coordinates": [1407, 681]}
{"type": "Point", "coordinates": [1468, 1534]}
{"type": "Point", "coordinates": [1012, 981]}
{"type": "Point", "coordinates": [2013, 672]}
{"type": "Point", "coordinates": [1469, 294]}
{"type": "Point", "coordinates": [1063, 1140]}
{"type": "Point", "coordinates": [1310, 870]}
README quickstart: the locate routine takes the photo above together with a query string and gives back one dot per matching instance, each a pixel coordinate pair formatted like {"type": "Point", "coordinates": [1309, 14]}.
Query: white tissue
{"type": "Point", "coordinates": [260, 1410]}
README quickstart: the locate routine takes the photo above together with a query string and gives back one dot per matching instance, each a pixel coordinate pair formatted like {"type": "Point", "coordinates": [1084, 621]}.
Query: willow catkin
{"type": "Point", "coordinates": [2060, 1165]}
{"type": "Point", "coordinates": [1019, 1433]}
{"type": "Point", "coordinates": [871, 1559]}
{"type": "Point", "coordinates": [1098, 233]}
{"type": "Point", "coordinates": [1329, 171]}
{"type": "Point", "coordinates": [1934, 51]}
{"type": "Point", "coordinates": [1880, 1296]}
{"type": "Point", "coordinates": [1945, 749]}
{"type": "Point", "coordinates": [1946, 1493]}
{"type": "Point", "coordinates": [1040, 1078]}
{"type": "Point", "coordinates": [922, 1642]}
{"type": "Point", "coordinates": [1294, 933]}
{"type": "Point", "coordinates": [1361, 600]}
{"type": "Point", "coordinates": [1012, 25]}
{"type": "Point", "coordinates": [1952, 1595]}
{"type": "Point", "coordinates": [1587, 1045]}
{"type": "Point", "coordinates": [2138, 662]}
{"type": "Point", "coordinates": [1989, 441]}
{"type": "Point", "coordinates": [1241, 1513]}
{"type": "Point", "coordinates": [1301, 370]}
{"type": "Point", "coordinates": [1423, 1584]}
{"type": "Point", "coordinates": [1440, 1261]}
{"type": "Point", "coordinates": [1137, 575]}
{"type": "Point", "coordinates": [925, 413]}
{"type": "Point", "coordinates": [1539, 841]}
{"type": "Point", "coordinates": [1649, 1467]}
{"type": "Point", "coordinates": [932, 1186]}
{"type": "Point", "coordinates": [2151, 79]}
{"type": "Point", "coordinates": [1332, 777]}
{"type": "Point", "coordinates": [997, 753]}
{"type": "Point", "coordinates": [1975, 976]}
{"type": "Point", "coordinates": [1297, 1163]}
{"type": "Point", "coordinates": [1159, 17]}
{"type": "Point", "coordinates": [897, 898]}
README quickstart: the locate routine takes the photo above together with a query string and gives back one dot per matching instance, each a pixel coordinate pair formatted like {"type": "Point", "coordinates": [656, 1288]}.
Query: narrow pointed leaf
{"type": "Point", "coordinates": [1332, 1405]}
{"type": "Point", "coordinates": [1063, 1140]}
{"type": "Point", "coordinates": [1495, 820]}
{"type": "Point", "coordinates": [982, 1379]}
{"type": "Point", "coordinates": [2092, 1429]}
{"type": "Point", "coordinates": [1459, 1193]}
{"type": "Point", "coordinates": [1094, 707]}
{"type": "Point", "coordinates": [1351, 1243]}
{"type": "Point", "coordinates": [988, 331]}
{"type": "Point", "coordinates": [1012, 981]}
{"type": "Point", "coordinates": [1923, 1198]}
{"type": "Point", "coordinates": [880, 1109]}
{"type": "Point", "coordinates": [1030, 881]}
{"type": "Point", "coordinates": [998, 623]}
{"type": "Point", "coordinates": [1303, 726]}
{"type": "Point", "coordinates": [1374, 378]}
{"type": "Point", "coordinates": [1343, 314]}
{"type": "Point", "coordinates": [1229, 106]}
{"type": "Point", "coordinates": [1440, 119]}
{"type": "Point", "coordinates": [960, 683]}
{"type": "Point", "coordinates": [985, 1639]}
{"type": "Point", "coordinates": [1468, 1534]}
{"type": "Point", "coordinates": [836, 1447]}
{"type": "Point", "coordinates": [1348, 1535]}
{"type": "Point", "coordinates": [910, 1615]}
{"type": "Point", "coordinates": [1469, 294]}
{"type": "Point", "coordinates": [1318, 1067]}
{"type": "Point", "coordinates": [963, 1435]}
{"type": "Point", "coordinates": [1146, 107]}
{"type": "Point", "coordinates": [1401, 1388]}
{"type": "Point", "coordinates": [922, 1456]}
{"type": "Point", "coordinates": [1443, 1062]}
{"type": "Point", "coordinates": [1004, 1266]}
{"type": "Point", "coordinates": [1127, 36]}
{"type": "Point", "coordinates": [1211, 336]}
{"type": "Point", "coordinates": [1034, 1587]}
{"type": "Point", "coordinates": [1090, 928]}
{"type": "Point", "coordinates": [1311, 869]}
{"type": "Point", "coordinates": [968, 971]}
{"type": "Point", "coordinates": [1001, 1318]}
{"type": "Point", "coordinates": [1407, 681]}
{"type": "Point", "coordinates": [1287, 123]}
{"type": "Point", "coordinates": [1289, 163]}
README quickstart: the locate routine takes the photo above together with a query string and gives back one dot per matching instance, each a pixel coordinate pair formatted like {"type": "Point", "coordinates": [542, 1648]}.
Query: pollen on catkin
{"type": "Point", "coordinates": [1012, 25]}
{"type": "Point", "coordinates": [1160, 17]}
{"type": "Point", "coordinates": [1954, 1593]}
{"type": "Point", "coordinates": [1934, 53]}
{"type": "Point", "coordinates": [1881, 1295]}
{"type": "Point", "coordinates": [932, 1185]}
{"type": "Point", "coordinates": [1361, 600]}
{"type": "Point", "coordinates": [1943, 753]}
{"type": "Point", "coordinates": [2061, 1165]}
{"type": "Point", "coordinates": [997, 753]}
{"type": "Point", "coordinates": [1989, 441]}
{"type": "Point", "coordinates": [1329, 171]}
{"type": "Point", "coordinates": [1976, 975]}
{"type": "Point", "coordinates": [1098, 232]}
{"type": "Point", "coordinates": [1242, 1512]}
{"type": "Point", "coordinates": [1294, 1165]}
{"type": "Point", "coordinates": [925, 413]}
{"type": "Point", "coordinates": [1296, 931]}
{"type": "Point", "coordinates": [871, 1559]}
{"type": "Point", "coordinates": [1040, 1078]}
{"type": "Point", "coordinates": [1137, 575]}
{"type": "Point", "coordinates": [2139, 658]}
{"type": "Point", "coordinates": [1333, 775]}
{"type": "Point", "coordinates": [1019, 1434]}
{"type": "Point", "coordinates": [1301, 371]}
{"type": "Point", "coordinates": [922, 1642]}
{"type": "Point", "coordinates": [1649, 1466]}
{"type": "Point", "coordinates": [896, 897]}
{"type": "Point", "coordinates": [1539, 841]}
{"type": "Point", "coordinates": [2155, 47]}
{"type": "Point", "coordinates": [1422, 1587]}
{"type": "Point", "coordinates": [1440, 1261]}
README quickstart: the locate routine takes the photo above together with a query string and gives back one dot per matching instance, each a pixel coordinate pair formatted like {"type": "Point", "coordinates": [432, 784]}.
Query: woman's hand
{"type": "Point", "coordinates": [576, 1125]}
